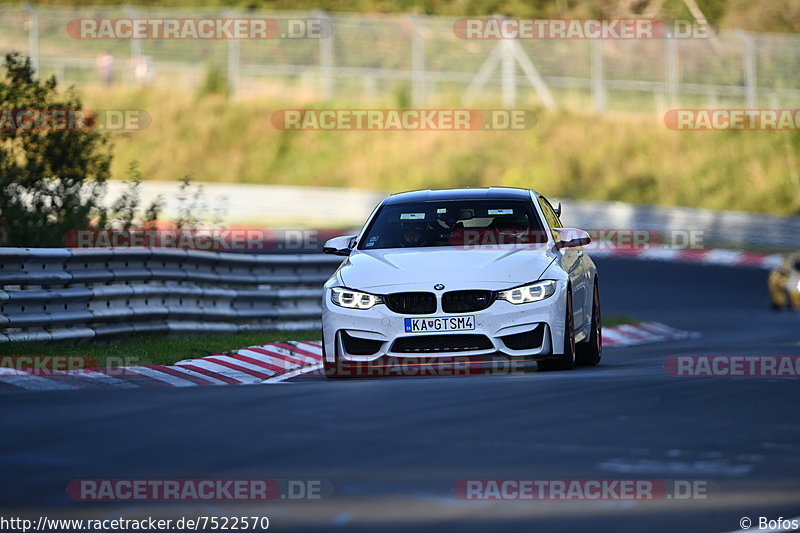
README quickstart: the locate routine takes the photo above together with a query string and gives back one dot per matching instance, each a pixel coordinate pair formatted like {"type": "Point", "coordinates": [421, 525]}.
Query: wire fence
{"type": "Point", "coordinates": [414, 60]}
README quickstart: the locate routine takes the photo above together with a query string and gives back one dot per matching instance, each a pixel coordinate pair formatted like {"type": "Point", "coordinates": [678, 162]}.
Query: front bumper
{"type": "Point", "coordinates": [530, 331]}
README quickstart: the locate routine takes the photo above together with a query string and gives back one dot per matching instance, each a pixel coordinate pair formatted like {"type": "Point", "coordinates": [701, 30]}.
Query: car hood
{"type": "Point", "coordinates": [478, 268]}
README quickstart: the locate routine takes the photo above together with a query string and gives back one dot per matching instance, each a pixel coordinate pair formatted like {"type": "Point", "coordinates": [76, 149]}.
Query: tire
{"type": "Point", "coordinates": [589, 353]}
{"type": "Point", "coordinates": [339, 370]}
{"type": "Point", "coordinates": [787, 297]}
{"type": "Point", "coordinates": [331, 372]}
{"type": "Point", "coordinates": [566, 361]}
{"type": "Point", "coordinates": [787, 301]}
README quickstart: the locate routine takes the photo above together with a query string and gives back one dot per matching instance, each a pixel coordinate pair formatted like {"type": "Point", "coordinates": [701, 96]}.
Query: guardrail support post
{"type": "Point", "coordinates": [672, 72]}
{"type": "Point", "coordinates": [417, 63]}
{"type": "Point", "coordinates": [751, 94]}
{"type": "Point", "coordinates": [234, 52]}
{"type": "Point", "coordinates": [33, 36]}
{"type": "Point", "coordinates": [326, 55]}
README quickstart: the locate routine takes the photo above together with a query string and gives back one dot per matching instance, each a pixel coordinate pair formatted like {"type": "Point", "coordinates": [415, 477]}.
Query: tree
{"type": "Point", "coordinates": [51, 180]}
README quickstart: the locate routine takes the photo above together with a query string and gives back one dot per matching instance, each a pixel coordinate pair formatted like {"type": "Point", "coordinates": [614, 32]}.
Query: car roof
{"type": "Point", "coordinates": [480, 193]}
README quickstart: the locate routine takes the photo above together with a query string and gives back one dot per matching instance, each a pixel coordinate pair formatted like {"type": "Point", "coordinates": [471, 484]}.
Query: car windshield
{"type": "Point", "coordinates": [453, 223]}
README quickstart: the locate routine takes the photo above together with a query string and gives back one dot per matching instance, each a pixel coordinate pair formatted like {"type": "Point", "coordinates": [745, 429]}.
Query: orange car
{"type": "Point", "coordinates": [784, 283]}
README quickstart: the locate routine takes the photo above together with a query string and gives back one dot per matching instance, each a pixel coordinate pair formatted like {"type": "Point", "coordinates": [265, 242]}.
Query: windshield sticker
{"type": "Point", "coordinates": [412, 216]}
{"type": "Point", "coordinates": [501, 211]}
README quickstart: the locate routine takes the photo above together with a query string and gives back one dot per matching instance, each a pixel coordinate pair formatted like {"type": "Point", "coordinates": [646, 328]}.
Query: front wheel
{"type": "Point", "coordinates": [566, 361]}
{"type": "Point", "coordinates": [589, 353]}
{"type": "Point", "coordinates": [776, 305]}
{"type": "Point", "coordinates": [339, 369]}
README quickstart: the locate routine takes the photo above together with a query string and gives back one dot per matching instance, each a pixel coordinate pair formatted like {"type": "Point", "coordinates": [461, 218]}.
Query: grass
{"type": "Point", "coordinates": [630, 157]}
{"type": "Point", "coordinates": [156, 349]}
{"type": "Point", "coordinates": [618, 320]}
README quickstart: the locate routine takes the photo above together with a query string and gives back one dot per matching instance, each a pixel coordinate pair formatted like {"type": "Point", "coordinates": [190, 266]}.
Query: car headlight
{"type": "Point", "coordinates": [529, 293]}
{"type": "Point", "coordinates": [351, 299]}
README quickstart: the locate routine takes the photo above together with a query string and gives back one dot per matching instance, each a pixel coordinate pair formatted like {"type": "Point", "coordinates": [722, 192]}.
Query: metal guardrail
{"type": "Point", "coordinates": [724, 229]}
{"type": "Point", "coordinates": [58, 294]}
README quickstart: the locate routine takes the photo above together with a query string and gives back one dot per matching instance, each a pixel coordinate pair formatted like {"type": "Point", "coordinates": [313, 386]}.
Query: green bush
{"type": "Point", "coordinates": [51, 181]}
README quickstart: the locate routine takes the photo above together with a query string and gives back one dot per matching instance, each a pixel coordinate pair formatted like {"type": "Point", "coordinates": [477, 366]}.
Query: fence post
{"type": "Point", "coordinates": [672, 72]}
{"type": "Point", "coordinates": [749, 69]}
{"type": "Point", "coordinates": [712, 98]}
{"type": "Point", "coordinates": [417, 63]}
{"type": "Point", "coordinates": [774, 100]}
{"type": "Point", "coordinates": [33, 36]}
{"type": "Point", "coordinates": [508, 70]}
{"type": "Point", "coordinates": [234, 53]}
{"type": "Point", "coordinates": [598, 80]}
{"type": "Point", "coordinates": [326, 55]}
{"type": "Point", "coordinates": [136, 44]}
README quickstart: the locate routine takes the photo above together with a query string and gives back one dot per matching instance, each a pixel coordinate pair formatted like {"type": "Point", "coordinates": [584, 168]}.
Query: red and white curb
{"type": "Point", "coordinates": [707, 257]}
{"type": "Point", "coordinates": [254, 364]}
{"type": "Point", "coordinates": [643, 333]}
{"type": "Point", "coordinates": [270, 363]}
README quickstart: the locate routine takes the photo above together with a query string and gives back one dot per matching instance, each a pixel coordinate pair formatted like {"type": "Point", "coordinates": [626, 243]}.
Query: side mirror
{"type": "Point", "coordinates": [558, 210]}
{"type": "Point", "coordinates": [340, 245]}
{"type": "Point", "coordinates": [571, 238]}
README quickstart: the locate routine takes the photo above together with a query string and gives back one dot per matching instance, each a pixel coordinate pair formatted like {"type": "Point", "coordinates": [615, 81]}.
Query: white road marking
{"type": "Point", "coordinates": [169, 379]}
{"type": "Point", "coordinates": [241, 377]}
{"type": "Point", "coordinates": [31, 382]}
{"type": "Point", "coordinates": [298, 372]}
{"type": "Point", "coordinates": [718, 467]}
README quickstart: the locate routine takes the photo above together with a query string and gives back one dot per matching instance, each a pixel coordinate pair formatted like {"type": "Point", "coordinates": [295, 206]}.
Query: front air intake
{"type": "Point", "coordinates": [467, 301]}
{"type": "Point", "coordinates": [411, 303]}
{"type": "Point", "coordinates": [442, 343]}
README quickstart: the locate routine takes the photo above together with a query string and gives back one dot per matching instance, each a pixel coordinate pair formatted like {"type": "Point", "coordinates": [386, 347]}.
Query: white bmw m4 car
{"type": "Point", "coordinates": [475, 273]}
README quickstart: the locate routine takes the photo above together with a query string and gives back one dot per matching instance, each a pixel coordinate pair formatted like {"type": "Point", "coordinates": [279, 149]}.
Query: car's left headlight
{"type": "Point", "coordinates": [351, 299]}
{"type": "Point", "coordinates": [534, 292]}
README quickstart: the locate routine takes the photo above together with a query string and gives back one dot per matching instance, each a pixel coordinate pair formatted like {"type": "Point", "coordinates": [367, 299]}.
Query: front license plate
{"type": "Point", "coordinates": [442, 323]}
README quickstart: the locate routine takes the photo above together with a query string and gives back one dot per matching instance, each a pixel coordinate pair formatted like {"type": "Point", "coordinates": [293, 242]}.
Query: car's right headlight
{"type": "Point", "coordinates": [534, 292]}
{"type": "Point", "coordinates": [351, 299]}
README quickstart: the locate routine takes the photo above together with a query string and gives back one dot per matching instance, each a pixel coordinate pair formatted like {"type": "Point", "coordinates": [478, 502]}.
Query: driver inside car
{"type": "Point", "coordinates": [412, 235]}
